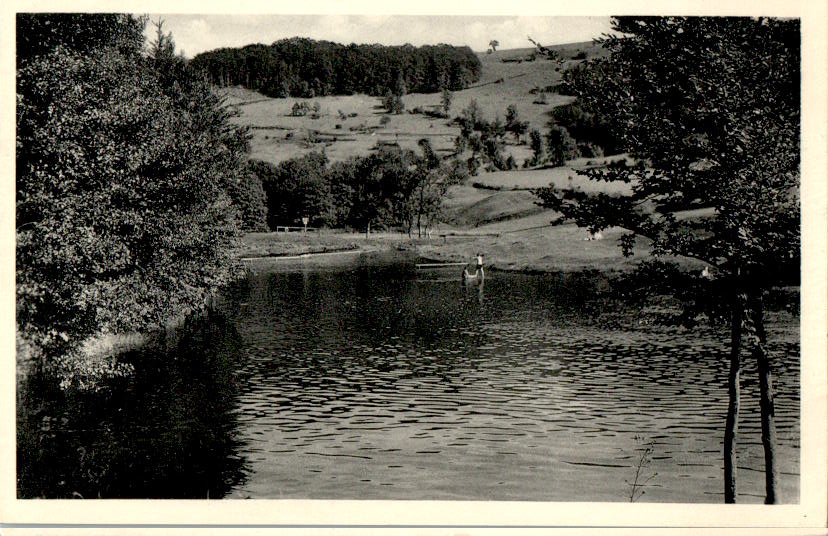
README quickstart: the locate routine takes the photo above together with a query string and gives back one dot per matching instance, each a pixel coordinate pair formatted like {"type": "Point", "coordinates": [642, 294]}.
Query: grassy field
{"type": "Point", "coordinates": [278, 136]}
{"type": "Point", "coordinates": [495, 211]}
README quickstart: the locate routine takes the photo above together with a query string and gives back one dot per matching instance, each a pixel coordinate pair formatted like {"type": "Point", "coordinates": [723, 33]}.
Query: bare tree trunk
{"type": "Point", "coordinates": [732, 421]}
{"type": "Point", "coordinates": [766, 398]}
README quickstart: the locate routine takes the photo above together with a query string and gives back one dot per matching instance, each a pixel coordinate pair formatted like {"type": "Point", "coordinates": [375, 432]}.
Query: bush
{"type": "Point", "coordinates": [300, 109]}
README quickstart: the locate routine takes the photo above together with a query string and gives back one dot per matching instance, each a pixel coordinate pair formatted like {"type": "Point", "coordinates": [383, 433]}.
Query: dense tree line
{"type": "Point", "coordinates": [132, 183]}
{"type": "Point", "coordinates": [390, 188]}
{"type": "Point", "coordinates": [300, 67]}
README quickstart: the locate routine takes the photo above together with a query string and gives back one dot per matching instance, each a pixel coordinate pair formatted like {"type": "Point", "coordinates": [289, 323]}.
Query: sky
{"type": "Point", "coordinates": [195, 33]}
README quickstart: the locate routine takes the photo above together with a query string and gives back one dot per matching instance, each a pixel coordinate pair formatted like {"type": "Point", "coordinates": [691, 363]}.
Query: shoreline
{"type": "Point", "coordinates": [558, 249]}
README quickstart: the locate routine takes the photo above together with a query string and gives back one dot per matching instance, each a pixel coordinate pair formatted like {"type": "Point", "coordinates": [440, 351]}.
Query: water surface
{"type": "Point", "coordinates": [377, 381]}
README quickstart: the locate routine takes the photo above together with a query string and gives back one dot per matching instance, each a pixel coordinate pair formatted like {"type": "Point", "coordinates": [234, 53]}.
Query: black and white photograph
{"type": "Point", "coordinates": [451, 258]}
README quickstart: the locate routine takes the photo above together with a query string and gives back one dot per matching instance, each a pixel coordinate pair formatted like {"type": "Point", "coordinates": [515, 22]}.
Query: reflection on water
{"type": "Point", "coordinates": [169, 432]}
{"type": "Point", "coordinates": [380, 382]}
{"type": "Point", "coordinates": [388, 383]}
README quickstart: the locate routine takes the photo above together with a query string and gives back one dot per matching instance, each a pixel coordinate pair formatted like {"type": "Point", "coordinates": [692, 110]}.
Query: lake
{"type": "Point", "coordinates": [371, 379]}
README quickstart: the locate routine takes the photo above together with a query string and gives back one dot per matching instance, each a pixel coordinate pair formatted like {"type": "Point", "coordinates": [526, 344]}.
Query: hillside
{"type": "Point", "coordinates": [353, 125]}
{"type": "Point", "coordinates": [278, 136]}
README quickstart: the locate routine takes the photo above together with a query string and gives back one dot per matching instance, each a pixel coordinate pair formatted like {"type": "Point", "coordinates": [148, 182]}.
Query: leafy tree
{"type": "Point", "coordinates": [711, 108]}
{"type": "Point", "coordinates": [587, 127]}
{"type": "Point", "coordinates": [296, 188]}
{"type": "Point", "coordinates": [493, 44]}
{"type": "Point", "coordinates": [249, 196]}
{"type": "Point", "coordinates": [445, 100]}
{"type": "Point", "coordinates": [513, 123]}
{"type": "Point", "coordinates": [560, 145]}
{"type": "Point", "coordinates": [126, 169]}
{"type": "Point", "coordinates": [432, 179]}
{"type": "Point", "coordinates": [393, 103]}
{"type": "Point", "coordinates": [40, 33]}
{"type": "Point", "coordinates": [471, 118]}
{"type": "Point", "coordinates": [536, 144]}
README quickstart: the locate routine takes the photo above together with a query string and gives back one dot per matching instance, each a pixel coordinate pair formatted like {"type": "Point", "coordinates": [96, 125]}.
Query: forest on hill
{"type": "Point", "coordinates": [301, 67]}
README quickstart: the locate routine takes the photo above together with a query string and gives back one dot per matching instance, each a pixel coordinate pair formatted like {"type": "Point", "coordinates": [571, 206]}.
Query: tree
{"type": "Point", "coordinates": [445, 100]}
{"type": "Point", "coordinates": [432, 179]}
{"type": "Point", "coordinates": [126, 168]}
{"type": "Point", "coordinates": [513, 123]}
{"type": "Point", "coordinates": [536, 144]}
{"type": "Point", "coordinates": [493, 44]}
{"type": "Point", "coordinates": [560, 145]}
{"type": "Point", "coordinates": [296, 188]}
{"type": "Point", "coordinates": [710, 107]}
{"type": "Point", "coordinates": [40, 33]}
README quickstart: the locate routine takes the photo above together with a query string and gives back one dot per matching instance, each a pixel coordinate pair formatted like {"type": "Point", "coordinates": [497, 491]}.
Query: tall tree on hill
{"type": "Point", "coordinates": [445, 97]}
{"type": "Point", "coordinates": [711, 108]}
{"type": "Point", "coordinates": [513, 123]}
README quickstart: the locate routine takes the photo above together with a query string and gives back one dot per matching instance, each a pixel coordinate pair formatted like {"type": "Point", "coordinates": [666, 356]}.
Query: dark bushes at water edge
{"type": "Point", "coordinates": [300, 67]}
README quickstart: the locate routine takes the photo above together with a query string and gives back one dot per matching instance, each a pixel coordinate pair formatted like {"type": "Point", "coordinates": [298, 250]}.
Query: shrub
{"type": "Point", "coordinates": [300, 109]}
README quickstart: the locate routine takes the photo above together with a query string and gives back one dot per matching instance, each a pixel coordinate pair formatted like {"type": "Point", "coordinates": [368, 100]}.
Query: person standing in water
{"type": "Point", "coordinates": [478, 271]}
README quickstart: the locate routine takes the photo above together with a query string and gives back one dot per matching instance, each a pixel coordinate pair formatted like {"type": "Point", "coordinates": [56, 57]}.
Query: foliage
{"type": "Point", "coordinates": [484, 139]}
{"type": "Point", "coordinates": [389, 188]}
{"type": "Point", "coordinates": [560, 145]}
{"type": "Point", "coordinates": [536, 144]}
{"type": "Point", "coordinates": [587, 127]}
{"type": "Point", "coordinates": [513, 123]}
{"type": "Point", "coordinates": [300, 109]}
{"type": "Point", "coordinates": [296, 188]}
{"type": "Point", "coordinates": [718, 124]}
{"type": "Point", "coordinates": [126, 168]}
{"type": "Point", "coordinates": [445, 99]}
{"type": "Point", "coordinates": [645, 459]}
{"type": "Point", "coordinates": [249, 197]}
{"type": "Point", "coordinates": [393, 103]}
{"type": "Point", "coordinates": [40, 33]}
{"type": "Point", "coordinates": [546, 51]}
{"type": "Point", "coordinates": [710, 108]}
{"type": "Point", "coordinates": [300, 67]}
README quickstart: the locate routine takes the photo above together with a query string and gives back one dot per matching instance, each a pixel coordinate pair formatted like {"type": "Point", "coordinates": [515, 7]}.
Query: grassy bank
{"type": "Point", "coordinates": [525, 244]}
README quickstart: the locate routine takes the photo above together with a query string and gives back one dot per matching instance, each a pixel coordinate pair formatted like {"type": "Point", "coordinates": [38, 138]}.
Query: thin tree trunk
{"type": "Point", "coordinates": [732, 421]}
{"type": "Point", "coordinates": [765, 400]}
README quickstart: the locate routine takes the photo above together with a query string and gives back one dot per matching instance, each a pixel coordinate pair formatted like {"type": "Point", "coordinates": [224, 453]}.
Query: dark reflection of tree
{"type": "Point", "coordinates": [167, 432]}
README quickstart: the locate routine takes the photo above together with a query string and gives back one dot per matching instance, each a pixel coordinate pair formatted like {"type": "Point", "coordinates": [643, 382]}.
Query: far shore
{"type": "Point", "coordinates": [532, 249]}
